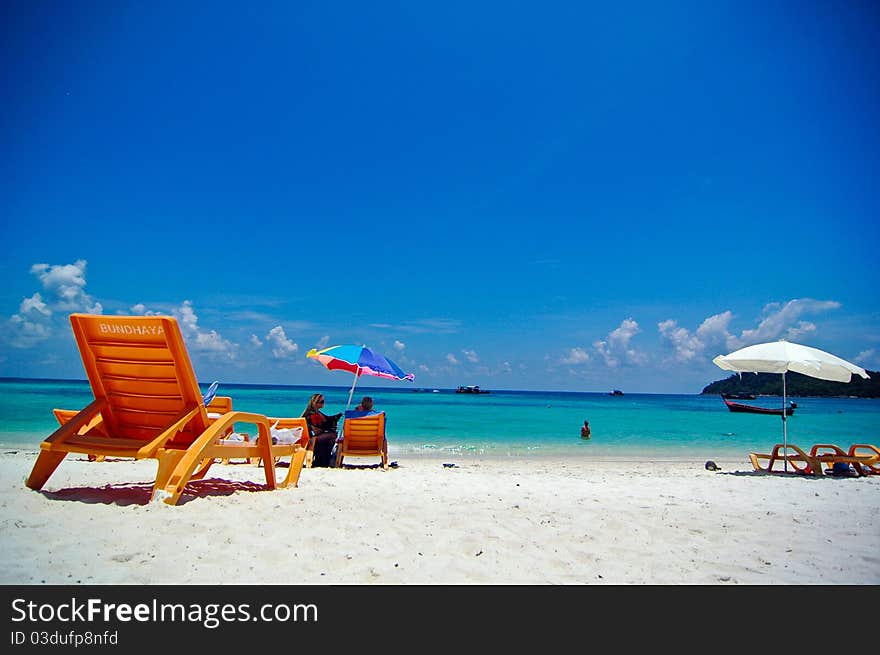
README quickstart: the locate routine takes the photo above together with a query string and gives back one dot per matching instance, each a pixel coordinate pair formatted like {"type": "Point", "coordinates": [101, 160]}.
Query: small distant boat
{"type": "Point", "coordinates": [751, 409]}
{"type": "Point", "coordinates": [475, 388]}
{"type": "Point", "coordinates": [616, 392]}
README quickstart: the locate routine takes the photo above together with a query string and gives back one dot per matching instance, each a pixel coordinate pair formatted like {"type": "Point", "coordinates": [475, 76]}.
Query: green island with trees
{"type": "Point", "coordinates": [796, 384]}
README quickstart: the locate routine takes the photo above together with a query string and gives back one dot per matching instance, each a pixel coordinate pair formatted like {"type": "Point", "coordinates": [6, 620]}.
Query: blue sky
{"type": "Point", "coordinates": [516, 195]}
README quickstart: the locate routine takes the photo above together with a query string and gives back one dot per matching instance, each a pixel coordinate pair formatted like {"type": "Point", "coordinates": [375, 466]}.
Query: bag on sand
{"type": "Point", "coordinates": [285, 435]}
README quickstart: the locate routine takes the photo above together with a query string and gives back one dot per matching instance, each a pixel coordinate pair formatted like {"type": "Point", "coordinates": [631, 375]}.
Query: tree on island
{"type": "Point", "coordinates": [796, 384]}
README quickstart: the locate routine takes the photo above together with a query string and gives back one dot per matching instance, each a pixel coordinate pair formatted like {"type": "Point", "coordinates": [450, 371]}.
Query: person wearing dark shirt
{"type": "Point", "coordinates": [322, 429]}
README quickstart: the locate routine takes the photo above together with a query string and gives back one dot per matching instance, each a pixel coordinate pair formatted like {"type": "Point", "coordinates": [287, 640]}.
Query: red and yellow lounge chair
{"type": "Point", "coordinates": [869, 462]}
{"type": "Point", "coordinates": [363, 436]}
{"type": "Point", "coordinates": [830, 454]}
{"type": "Point", "coordinates": [150, 407]}
{"type": "Point", "coordinates": [798, 460]}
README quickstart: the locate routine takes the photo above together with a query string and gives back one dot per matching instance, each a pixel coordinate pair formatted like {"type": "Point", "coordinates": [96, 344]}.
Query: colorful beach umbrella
{"type": "Point", "coordinates": [358, 360]}
{"type": "Point", "coordinates": [783, 356]}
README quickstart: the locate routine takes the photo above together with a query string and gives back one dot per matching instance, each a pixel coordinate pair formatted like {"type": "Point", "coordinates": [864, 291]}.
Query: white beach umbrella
{"type": "Point", "coordinates": [783, 356]}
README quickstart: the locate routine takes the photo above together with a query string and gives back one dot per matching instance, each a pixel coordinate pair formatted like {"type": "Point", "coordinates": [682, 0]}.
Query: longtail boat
{"type": "Point", "coordinates": [751, 409]}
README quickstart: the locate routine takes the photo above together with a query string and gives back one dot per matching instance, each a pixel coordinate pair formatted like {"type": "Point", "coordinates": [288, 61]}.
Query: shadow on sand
{"type": "Point", "coordinates": [391, 465]}
{"type": "Point", "coordinates": [138, 493]}
{"type": "Point", "coordinates": [784, 475]}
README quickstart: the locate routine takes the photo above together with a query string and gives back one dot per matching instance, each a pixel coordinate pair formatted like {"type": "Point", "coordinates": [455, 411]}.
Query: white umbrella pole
{"type": "Point", "coordinates": [784, 427]}
{"type": "Point", "coordinates": [357, 374]}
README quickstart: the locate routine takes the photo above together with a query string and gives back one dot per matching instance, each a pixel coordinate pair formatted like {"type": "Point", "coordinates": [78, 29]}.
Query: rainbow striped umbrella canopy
{"type": "Point", "coordinates": [359, 360]}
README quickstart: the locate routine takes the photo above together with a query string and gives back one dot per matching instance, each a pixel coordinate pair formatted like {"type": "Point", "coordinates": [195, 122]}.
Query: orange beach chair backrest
{"type": "Point", "coordinates": [140, 367]}
{"type": "Point", "coordinates": [364, 434]}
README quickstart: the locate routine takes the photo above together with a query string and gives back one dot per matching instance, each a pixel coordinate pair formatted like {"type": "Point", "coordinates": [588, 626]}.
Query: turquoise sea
{"type": "Point", "coordinates": [508, 423]}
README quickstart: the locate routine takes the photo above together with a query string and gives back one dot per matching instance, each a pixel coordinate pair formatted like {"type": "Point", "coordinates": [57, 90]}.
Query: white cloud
{"type": "Point", "coordinates": [616, 348]}
{"type": "Point", "coordinates": [868, 358]}
{"type": "Point", "coordinates": [423, 326]}
{"type": "Point", "coordinates": [451, 358]}
{"type": "Point", "coordinates": [399, 345]}
{"type": "Point", "coordinates": [686, 345]}
{"type": "Point", "coordinates": [65, 285]}
{"type": "Point", "coordinates": [140, 309]}
{"type": "Point", "coordinates": [715, 328]}
{"type": "Point", "coordinates": [802, 329]}
{"type": "Point", "coordinates": [31, 325]}
{"type": "Point", "coordinates": [38, 315]}
{"type": "Point", "coordinates": [322, 342]}
{"type": "Point", "coordinates": [779, 320]}
{"type": "Point", "coordinates": [471, 356]}
{"type": "Point", "coordinates": [602, 348]}
{"type": "Point", "coordinates": [255, 340]}
{"type": "Point", "coordinates": [34, 308]}
{"type": "Point", "coordinates": [282, 347]}
{"type": "Point", "coordinates": [24, 333]}
{"type": "Point", "coordinates": [576, 356]}
{"type": "Point", "coordinates": [210, 343]}
{"type": "Point", "coordinates": [620, 337]}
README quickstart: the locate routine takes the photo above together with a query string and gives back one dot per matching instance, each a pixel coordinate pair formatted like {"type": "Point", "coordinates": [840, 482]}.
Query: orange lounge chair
{"type": "Point", "coordinates": [152, 408]}
{"type": "Point", "coordinates": [363, 436]}
{"type": "Point", "coordinates": [830, 454]}
{"type": "Point", "coordinates": [799, 461]}
{"type": "Point", "coordinates": [869, 463]}
{"type": "Point", "coordinates": [64, 415]}
{"type": "Point", "coordinates": [216, 408]}
{"type": "Point", "coordinates": [304, 441]}
{"type": "Point", "coordinates": [219, 406]}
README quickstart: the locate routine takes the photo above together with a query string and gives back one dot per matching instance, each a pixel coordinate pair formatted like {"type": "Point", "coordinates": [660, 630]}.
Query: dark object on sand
{"type": "Point", "coordinates": [450, 466]}
{"type": "Point", "coordinates": [842, 469]}
{"type": "Point", "coordinates": [712, 466]}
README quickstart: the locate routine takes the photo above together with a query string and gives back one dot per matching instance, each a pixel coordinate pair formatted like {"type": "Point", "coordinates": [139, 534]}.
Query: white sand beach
{"type": "Point", "coordinates": [486, 521]}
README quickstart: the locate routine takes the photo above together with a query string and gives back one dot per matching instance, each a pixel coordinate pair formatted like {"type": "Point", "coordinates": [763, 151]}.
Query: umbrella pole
{"type": "Point", "coordinates": [784, 428]}
{"type": "Point", "coordinates": [357, 374]}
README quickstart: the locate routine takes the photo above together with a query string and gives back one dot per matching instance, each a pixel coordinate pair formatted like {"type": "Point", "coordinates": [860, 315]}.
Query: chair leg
{"type": "Point", "coordinates": [47, 462]}
{"type": "Point", "coordinates": [296, 467]}
{"type": "Point", "coordinates": [167, 463]}
{"type": "Point", "coordinates": [310, 453]}
{"type": "Point", "coordinates": [200, 474]}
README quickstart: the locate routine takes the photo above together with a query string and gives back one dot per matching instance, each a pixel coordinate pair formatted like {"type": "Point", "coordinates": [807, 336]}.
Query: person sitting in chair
{"type": "Point", "coordinates": [322, 428]}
